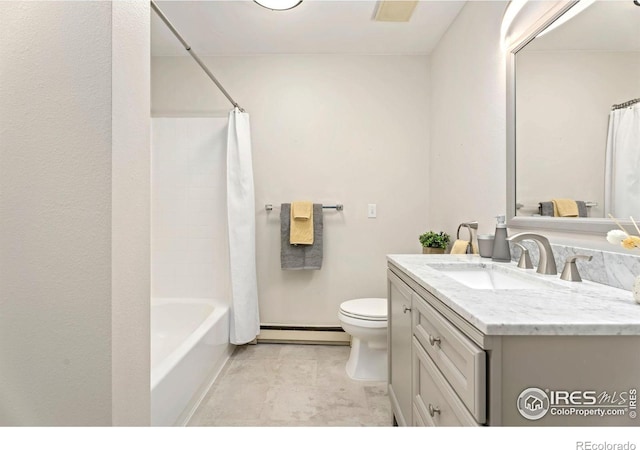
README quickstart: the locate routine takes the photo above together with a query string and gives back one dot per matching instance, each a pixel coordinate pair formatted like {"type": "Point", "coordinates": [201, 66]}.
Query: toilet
{"type": "Point", "coordinates": [365, 319]}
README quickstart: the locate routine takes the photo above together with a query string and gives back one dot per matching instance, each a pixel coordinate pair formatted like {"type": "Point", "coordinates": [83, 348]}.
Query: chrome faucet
{"type": "Point", "coordinates": [547, 263]}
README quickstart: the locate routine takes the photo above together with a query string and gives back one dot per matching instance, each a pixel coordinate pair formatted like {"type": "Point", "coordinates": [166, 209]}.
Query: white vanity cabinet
{"type": "Point", "coordinates": [459, 357]}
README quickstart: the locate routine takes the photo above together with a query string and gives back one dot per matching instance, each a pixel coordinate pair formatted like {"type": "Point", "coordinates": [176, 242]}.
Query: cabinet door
{"type": "Point", "coordinates": [399, 348]}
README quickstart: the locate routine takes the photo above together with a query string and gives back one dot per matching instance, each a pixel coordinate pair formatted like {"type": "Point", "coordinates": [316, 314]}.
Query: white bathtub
{"type": "Point", "coordinates": [189, 346]}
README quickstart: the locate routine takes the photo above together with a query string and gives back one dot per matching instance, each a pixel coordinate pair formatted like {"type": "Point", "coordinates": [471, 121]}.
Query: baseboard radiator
{"type": "Point", "coordinates": [292, 334]}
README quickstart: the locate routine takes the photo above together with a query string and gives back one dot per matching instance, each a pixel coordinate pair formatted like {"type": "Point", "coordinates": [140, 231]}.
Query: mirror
{"type": "Point", "coordinates": [566, 138]}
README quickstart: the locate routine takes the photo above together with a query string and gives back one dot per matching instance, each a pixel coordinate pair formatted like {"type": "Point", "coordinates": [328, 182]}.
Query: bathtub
{"type": "Point", "coordinates": [189, 347]}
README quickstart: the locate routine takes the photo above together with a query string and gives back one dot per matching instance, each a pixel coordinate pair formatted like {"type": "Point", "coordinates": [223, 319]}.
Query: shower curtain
{"type": "Point", "coordinates": [622, 163]}
{"type": "Point", "coordinates": [245, 321]}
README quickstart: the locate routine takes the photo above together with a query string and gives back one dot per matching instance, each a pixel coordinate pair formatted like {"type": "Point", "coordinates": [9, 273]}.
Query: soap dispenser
{"type": "Point", "coordinates": [501, 252]}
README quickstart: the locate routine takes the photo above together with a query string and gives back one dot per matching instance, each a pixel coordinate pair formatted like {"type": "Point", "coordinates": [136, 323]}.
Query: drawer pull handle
{"type": "Point", "coordinates": [434, 340]}
{"type": "Point", "coordinates": [433, 410]}
{"type": "Point", "coordinates": [406, 308]}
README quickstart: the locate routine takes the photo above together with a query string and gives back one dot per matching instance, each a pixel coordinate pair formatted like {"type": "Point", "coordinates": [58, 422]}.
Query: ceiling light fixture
{"type": "Point", "coordinates": [278, 5]}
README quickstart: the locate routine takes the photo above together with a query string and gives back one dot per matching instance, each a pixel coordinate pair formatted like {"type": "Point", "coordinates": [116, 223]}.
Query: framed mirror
{"type": "Point", "coordinates": [573, 119]}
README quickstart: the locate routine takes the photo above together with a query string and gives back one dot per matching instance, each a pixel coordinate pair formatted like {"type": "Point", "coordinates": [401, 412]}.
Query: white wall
{"type": "Point", "coordinates": [467, 175]}
{"type": "Point", "coordinates": [73, 215]}
{"type": "Point", "coordinates": [349, 129]}
{"type": "Point", "coordinates": [130, 215]}
{"type": "Point", "coordinates": [190, 251]}
{"type": "Point", "coordinates": [564, 154]}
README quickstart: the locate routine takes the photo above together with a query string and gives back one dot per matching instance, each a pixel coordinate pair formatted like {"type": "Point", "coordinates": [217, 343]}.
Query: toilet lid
{"type": "Point", "coordinates": [365, 308]}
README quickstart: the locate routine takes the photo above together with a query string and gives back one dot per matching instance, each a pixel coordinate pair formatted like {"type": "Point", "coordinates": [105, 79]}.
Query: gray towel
{"type": "Point", "coordinates": [582, 208]}
{"type": "Point", "coordinates": [546, 208]}
{"type": "Point", "coordinates": [297, 257]}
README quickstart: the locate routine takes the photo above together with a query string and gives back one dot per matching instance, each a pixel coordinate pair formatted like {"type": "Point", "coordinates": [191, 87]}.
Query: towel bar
{"type": "Point", "coordinates": [338, 207]}
{"type": "Point", "coordinates": [587, 204]}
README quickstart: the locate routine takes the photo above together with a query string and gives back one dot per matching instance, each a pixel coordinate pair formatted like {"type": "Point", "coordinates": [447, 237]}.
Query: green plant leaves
{"type": "Point", "coordinates": [433, 239]}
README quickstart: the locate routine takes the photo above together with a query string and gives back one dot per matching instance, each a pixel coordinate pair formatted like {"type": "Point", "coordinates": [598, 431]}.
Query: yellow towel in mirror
{"type": "Point", "coordinates": [564, 207]}
{"type": "Point", "coordinates": [301, 226]}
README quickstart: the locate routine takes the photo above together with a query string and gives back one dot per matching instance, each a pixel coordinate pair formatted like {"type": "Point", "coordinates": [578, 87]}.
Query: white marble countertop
{"type": "Point", "coordinates": [556, 307]}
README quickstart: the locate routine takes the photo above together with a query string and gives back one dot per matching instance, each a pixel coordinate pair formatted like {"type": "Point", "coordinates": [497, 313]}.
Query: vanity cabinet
{"type": "Point", "coordinates": [436, 374]}
{"type": "Point", "coordinates": [399, 348]}
{"type": "Point", "coordinates": [444, 371]}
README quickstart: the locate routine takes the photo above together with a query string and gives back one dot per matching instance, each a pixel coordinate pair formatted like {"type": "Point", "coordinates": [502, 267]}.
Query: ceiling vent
{"type": "Point", "coordinates": [395, 10]}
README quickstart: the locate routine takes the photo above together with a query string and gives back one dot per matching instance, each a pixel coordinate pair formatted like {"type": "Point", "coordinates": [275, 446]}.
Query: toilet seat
{"type": "Point", "coordinates": [362, 323]}
{"type": "Point", "coordinates": [368, 309]}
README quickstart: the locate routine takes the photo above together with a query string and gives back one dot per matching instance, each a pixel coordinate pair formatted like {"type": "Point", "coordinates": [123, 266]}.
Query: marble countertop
{"type": "Point", "coordinates": [555, 307]}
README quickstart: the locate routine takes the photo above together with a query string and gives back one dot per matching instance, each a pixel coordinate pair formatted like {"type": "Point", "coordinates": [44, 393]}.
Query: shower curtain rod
{"type": "Point", "coordinates": [193, 54]}
{"type": "Point", "coordinates": [625, 104]}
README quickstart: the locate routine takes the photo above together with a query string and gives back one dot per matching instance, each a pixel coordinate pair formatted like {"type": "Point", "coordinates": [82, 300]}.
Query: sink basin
{"type": "Point", "coordinates": [492, 277]}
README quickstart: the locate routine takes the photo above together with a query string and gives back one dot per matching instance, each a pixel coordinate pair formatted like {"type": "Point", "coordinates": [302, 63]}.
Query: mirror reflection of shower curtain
{"type": "Point", "coordinates": [622, 165]}
{"type": "Point", "coordinates": [245, 320]}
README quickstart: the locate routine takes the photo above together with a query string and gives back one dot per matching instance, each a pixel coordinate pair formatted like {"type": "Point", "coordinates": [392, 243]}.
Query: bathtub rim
{"type": "Point", "coordinates": [220, 309]}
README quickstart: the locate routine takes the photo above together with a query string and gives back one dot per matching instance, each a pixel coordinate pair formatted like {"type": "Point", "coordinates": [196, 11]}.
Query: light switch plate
{"type": "Point", "coordinates": [372, 211]}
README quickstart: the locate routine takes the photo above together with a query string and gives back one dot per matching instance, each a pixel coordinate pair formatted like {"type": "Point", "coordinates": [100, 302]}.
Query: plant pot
{"type": "Point", "coordinates": [433, 250]}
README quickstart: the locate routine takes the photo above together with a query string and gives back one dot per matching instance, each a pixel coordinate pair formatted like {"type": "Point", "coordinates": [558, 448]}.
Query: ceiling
{"type": "Point", "coordinates": [241, 27]}
{"type": "Point", "coordinates": [603, 26]}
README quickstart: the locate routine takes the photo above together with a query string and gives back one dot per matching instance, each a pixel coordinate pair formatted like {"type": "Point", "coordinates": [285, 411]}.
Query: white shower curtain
{"type": "Point", "coordinates": [245, 321]}
{"type": "Point", "coordinates": [622, 164]}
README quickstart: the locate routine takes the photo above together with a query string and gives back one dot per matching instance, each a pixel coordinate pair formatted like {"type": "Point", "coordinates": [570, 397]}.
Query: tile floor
{"type": "Point", "coordinates": [292, 385]}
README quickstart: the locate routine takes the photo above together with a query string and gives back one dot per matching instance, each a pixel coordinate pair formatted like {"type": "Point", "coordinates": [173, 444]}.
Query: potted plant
{"type": "Point", "coordinates": [433, 242]}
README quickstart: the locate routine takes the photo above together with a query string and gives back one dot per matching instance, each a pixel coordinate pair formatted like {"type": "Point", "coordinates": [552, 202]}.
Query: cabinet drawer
{"type": "Point", "coordinates": [461, 361]}
{"type": "Point", "coordinates": [435, 401]}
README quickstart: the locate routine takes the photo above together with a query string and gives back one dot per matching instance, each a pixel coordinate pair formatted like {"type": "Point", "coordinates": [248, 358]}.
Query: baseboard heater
{"type": "Point", "coordinates": [294, 334]}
